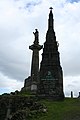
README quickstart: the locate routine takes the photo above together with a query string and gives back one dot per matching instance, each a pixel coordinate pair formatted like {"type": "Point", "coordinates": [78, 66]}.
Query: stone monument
{"type": "Point", "coordinates": [48, 81]}
{"type": "Point", "coordinates": [35, 61]}
{"type": "Point", "coordinates": [51, 74]}
{"type": "Point", "coordinates": [32, 81]}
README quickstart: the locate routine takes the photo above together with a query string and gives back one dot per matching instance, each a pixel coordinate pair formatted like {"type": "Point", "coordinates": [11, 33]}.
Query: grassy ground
{"type": "Point", "coordinates": [69, 109]}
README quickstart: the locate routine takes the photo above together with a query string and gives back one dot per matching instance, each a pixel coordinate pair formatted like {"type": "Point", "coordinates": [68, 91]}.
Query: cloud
{"type": "Point", "coordinates": [17, 23]}
{"type": "Point", "coordinates": [7, 85]}
{"type": "Point", "coordinates": [13, 42]}
{"type": "Point", "coordinates": [30, 4]}
{"type": "Point", "coordinates": [67, 28]}
{"type": "Point", "coordinates": [72, 1]}
{"type": "Point", "coordinates": [27, 4]}
{"type": "Point", "coordinates": [72, 83]}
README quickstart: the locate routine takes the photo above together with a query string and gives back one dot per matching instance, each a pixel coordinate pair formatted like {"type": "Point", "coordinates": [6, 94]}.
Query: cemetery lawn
{"type": "Point", "coordinates": [69, 109]}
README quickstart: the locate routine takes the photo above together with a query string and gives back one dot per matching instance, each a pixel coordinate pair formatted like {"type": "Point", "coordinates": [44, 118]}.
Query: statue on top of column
{"type": "Point", "coordinates": [36, 35]}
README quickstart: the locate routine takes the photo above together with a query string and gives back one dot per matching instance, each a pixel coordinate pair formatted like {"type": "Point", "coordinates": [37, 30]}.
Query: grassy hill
{"type": "Point", "coordinates": [69, 109]}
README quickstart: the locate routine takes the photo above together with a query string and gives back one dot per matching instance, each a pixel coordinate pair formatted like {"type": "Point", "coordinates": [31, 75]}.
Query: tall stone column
{"type": "Point", "coordinates": [35, 47]}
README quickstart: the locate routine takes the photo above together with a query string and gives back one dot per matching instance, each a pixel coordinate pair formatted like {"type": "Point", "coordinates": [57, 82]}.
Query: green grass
{"type": "Point", "coordinates": [69, 109]}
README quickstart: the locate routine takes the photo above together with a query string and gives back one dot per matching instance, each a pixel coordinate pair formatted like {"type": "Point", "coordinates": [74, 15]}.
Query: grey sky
{"type": "Point", "coordinates": [18, 20]}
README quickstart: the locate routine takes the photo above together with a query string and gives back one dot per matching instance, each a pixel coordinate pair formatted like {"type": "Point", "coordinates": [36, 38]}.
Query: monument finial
{"type": "Point", "coordinates": [50, 20]}
{"type": "Point", "coordinates": [50, 8]}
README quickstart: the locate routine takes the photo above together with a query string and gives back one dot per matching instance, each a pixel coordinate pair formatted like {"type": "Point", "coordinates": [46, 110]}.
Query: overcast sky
{"type": "Point", "coordinates": [18, 20]}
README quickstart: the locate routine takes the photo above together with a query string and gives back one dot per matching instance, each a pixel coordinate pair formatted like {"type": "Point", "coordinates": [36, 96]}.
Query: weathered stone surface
{"type": "Point", "coordinates": [32, 81]}
{"type": "Point", "coordinates": [20, 107]}
{"type": "Point", "coordinates": [50, 65]}
{"type": "Point", "coordinates": [48, 81]}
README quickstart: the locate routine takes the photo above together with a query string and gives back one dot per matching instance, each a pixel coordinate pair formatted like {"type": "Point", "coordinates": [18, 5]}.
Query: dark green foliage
{"type": "Point", "coordinates": [3, 107]}
{"type": "Point", "coordinates": [69, 109]}
{"type": "Point", "coordinates": [30, 108]}
{"type": "Point", "coordinates": [21, 107]}
{"type": "Point", "coordinates": [21, 115]}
